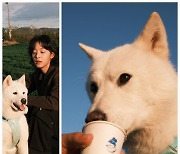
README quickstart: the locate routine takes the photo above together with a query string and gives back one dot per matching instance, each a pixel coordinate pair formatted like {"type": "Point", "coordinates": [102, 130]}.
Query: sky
{"type": "Point", "coordinates": [42, 14]}
{"type": "Point", "coordinates": [103, 26]}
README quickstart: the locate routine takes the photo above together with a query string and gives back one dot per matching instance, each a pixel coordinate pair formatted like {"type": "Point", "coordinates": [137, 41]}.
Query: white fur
{"type": "Point", "coordinates": [10, 112]}
{"type": "Point", "coordinates": [146, 106]}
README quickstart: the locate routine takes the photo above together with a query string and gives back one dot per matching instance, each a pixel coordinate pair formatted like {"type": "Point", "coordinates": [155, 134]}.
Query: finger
{"type": "Point", "coordinates": [76, 140]}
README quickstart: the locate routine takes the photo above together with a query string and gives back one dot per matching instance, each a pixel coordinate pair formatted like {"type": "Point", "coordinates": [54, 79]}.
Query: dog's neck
{"type": "Point", "coordinates": [152, 138]}
{"type": "Point", "coordinates": [10, 114]}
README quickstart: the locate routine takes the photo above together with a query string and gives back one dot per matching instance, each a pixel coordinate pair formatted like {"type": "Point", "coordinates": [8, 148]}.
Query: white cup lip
{"type": "Point", "coordinates": [106, 122]}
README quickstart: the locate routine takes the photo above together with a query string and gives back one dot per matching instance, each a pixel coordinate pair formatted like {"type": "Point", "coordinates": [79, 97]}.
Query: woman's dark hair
{"type": "Point", "coordinates": [47, 43]}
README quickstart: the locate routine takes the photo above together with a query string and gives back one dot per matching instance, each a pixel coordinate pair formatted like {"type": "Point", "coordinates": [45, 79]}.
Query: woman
{"type": "Point", "coordinates": [43, 114]}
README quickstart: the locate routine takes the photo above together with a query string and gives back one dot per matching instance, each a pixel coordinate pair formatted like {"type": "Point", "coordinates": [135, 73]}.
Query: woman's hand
{"type": "Point", "coordinates": [73, 143]}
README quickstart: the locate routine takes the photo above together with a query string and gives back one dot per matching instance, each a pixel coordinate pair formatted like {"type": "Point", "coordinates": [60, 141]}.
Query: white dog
{"type": "Point", "coordinates": [15, 128]}
{"type": "Point", "coordinates": [135, 86]}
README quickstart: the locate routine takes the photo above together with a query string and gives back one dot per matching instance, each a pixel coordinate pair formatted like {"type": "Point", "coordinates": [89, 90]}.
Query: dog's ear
{"type": "Point", "coordinates": [22, 80]}
{"type": "Point", "coordinates": [91, 52]}
{"type": "Point", "coordinates": [7, 81]}
{"type": "Point", "coordinates": [153, 37]}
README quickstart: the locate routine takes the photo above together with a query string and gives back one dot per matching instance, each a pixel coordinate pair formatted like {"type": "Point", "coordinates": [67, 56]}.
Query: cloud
{"type": "Point", "coordinates": [32, 14]}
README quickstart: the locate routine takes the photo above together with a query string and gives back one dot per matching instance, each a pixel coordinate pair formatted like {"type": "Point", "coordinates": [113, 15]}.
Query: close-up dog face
{"type": "Point", "coordinates": [131, 78]}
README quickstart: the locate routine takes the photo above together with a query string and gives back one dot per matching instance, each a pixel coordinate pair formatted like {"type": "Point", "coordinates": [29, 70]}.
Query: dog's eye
{"type": "Point", "coordinates": [124, 78]}
{"type": "Point", "coordinates": [94, 88]}
{"type": "Point", "coordinates": [23, 92]}
{"type": "Point", "coordinates": [15, 93]}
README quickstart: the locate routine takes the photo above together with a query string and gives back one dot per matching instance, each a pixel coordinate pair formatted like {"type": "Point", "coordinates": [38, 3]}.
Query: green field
{"type": "Point", "coordinates": [16, 61]}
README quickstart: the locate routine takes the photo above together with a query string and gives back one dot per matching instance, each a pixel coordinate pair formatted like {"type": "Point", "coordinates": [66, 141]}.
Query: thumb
{"type": "Point", "coordinates": [76, 140]}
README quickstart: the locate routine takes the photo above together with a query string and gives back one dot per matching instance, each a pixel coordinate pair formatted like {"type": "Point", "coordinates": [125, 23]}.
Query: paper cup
{"type": "Point", "coordinates": [108, 138]}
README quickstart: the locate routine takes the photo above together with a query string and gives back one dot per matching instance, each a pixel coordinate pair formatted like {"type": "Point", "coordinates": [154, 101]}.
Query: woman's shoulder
{"type": "Point", "coordinates": [55, 69]}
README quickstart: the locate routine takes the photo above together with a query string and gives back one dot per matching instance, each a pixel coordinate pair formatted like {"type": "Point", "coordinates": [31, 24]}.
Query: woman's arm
{"type": "Point", "coordinates": [50, 101]}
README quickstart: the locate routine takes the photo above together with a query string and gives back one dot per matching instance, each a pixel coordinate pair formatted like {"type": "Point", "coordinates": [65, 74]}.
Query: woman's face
{"type": "Point", "coordinates": [42, 57]}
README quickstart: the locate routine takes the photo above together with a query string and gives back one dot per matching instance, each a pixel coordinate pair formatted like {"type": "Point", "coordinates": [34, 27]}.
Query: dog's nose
{"type": "Point", "coordinates": [23, 101]}
{"type": "Point", "coordinates": [95, 116]}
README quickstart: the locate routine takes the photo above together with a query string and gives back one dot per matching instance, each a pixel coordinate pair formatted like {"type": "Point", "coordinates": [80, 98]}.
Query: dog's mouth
{"type": "Point", "coordinates": [18, 107]}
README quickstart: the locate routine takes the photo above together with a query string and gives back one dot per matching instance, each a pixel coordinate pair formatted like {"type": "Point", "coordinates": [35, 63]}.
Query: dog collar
{"type": "Point", "coordinates": [172, 149]}
{"type": "Point", "coordinates": [14, 125]}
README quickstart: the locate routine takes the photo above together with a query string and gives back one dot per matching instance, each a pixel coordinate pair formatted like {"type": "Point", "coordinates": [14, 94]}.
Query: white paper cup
{"type": "Point", "coordinates": [108, 138]}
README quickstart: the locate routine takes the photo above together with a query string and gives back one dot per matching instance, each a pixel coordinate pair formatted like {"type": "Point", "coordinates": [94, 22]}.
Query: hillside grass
{"type": "Point", "coordinates": [16, 60]}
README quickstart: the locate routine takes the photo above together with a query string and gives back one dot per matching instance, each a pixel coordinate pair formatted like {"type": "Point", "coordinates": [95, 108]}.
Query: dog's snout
{"type": "Point", "coordinates": [95, 116]}
{"type": "Point", "coordinates": [23, 101]}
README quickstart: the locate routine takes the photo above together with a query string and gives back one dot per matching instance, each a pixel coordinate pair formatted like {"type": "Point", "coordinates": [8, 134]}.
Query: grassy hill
{"type": "Point", "coordinates": [16, 60]}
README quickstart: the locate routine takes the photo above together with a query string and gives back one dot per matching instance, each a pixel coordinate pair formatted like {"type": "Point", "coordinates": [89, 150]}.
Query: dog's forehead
{"type": "Point", "coordinates": [116, 59]}
{"type": "Point", "coordinates": [124, 59]}
{"type": "Point", "coordinates": [18, 86]}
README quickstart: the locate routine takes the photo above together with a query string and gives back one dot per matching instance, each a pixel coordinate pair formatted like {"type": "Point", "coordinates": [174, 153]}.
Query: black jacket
{"type": "Point", "coordinates": [43, 108]}
{"type": "Point", "coordinates": [47, 86]}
